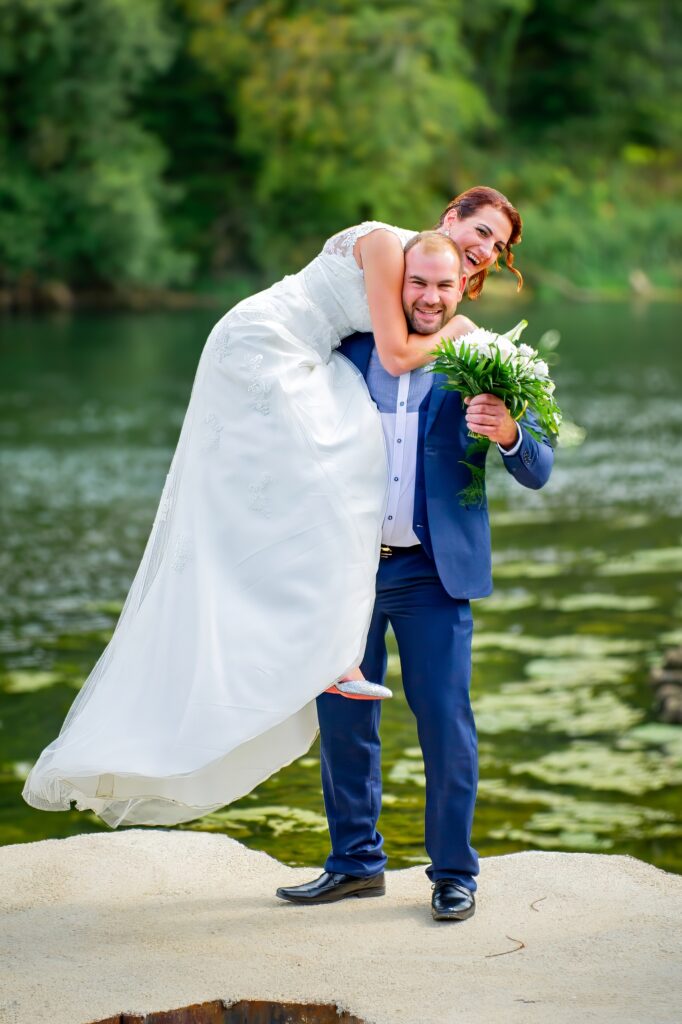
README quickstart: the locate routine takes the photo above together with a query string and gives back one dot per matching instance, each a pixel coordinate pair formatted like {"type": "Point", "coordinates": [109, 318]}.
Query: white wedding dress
{"type": "Point", "coordinates": [256, 587]}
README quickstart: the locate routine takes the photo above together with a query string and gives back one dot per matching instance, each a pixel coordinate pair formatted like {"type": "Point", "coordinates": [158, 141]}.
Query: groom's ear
{"type": "Point", "coordinates": [462, 286]}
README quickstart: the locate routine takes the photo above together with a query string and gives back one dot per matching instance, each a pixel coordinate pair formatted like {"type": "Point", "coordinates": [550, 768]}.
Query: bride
{"type": "Point", "coordinates": [256, 586]}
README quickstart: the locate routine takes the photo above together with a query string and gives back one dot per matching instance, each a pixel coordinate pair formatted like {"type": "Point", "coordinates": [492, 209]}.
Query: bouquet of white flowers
{"type": "Point", "coordinates": [482, 362]}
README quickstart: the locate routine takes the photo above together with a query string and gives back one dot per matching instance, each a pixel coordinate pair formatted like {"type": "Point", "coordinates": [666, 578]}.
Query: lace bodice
{"type": "Point", "coordinates": [335, 280]}
{"type": "Point", "coordinates": [343, 243]}
{"type": "Point", "coordinates": [326, 301]}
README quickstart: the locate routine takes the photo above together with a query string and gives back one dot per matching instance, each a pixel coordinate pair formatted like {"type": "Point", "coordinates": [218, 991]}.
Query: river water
{"type": "Point", "coordinates": [588, 584]}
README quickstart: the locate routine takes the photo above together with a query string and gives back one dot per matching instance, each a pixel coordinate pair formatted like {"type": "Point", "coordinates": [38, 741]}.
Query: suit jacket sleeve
{"type": "Point", "coordinates": [532, 464]}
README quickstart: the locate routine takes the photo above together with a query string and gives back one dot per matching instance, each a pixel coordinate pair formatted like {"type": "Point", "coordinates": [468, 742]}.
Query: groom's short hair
{"type": "Point", "coordinates": [435, 241]}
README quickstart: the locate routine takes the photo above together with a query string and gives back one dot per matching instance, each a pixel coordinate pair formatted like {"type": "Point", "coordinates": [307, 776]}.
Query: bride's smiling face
{"type": "Point", "coordinates": [481, 237]}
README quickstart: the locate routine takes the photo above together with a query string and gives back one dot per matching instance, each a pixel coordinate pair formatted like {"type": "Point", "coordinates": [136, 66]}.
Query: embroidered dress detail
{"type": "Point", "coordinates": [182, 552]}
{"type": "Point", "coordinates": [257, 387]}
{"type": "Point", "coordinates": [212, 429]}
{"type": "Point", "coordinates": [221, 344]}
{"type": "Point", "coordinates": [258, 500]}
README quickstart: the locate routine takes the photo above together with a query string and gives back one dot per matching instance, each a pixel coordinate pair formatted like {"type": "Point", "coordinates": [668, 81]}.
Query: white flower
{"type": "Point", "coordinates": [480, 341]}
{"type": "Point", "coordinates": [523, 360]}
{"type": "Point", "coordinates": [515, 333]}
{"type": "Point", "coordinates": [481, 335]}
{"type": "Point", "coordinates": [506, 348]}
{"type": "Point", "coordinates": [541, 369]}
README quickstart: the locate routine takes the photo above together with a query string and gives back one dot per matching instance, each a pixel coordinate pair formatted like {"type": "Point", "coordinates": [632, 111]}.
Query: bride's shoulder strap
{"type": "Point", "coordinates": [342, 243]}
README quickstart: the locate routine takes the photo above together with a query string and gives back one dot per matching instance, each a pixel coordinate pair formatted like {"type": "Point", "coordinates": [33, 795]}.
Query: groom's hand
{"type": "Point", "coordinates": [488, 415]}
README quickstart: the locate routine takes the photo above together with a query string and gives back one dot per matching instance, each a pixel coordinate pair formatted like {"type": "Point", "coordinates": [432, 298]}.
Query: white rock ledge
{"type": "Point", "coordinates": [143, 920]}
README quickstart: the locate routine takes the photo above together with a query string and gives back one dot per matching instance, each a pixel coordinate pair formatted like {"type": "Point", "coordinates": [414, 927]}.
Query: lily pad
{"type": "Point", "coordinates": [308, 762]}
{"type": "Point", "coordinates": [528, 570]}
{"type": "Point", "coordinates": [407, 772]}
{"type": "Point", "coordinates": [632, 521]}
{"type": "Point", "coordinates": [651, 560]}
{"type": "Point", "coordinates": [390, 799]}
{"type": "Point", "coordinates": [393, 665]}
{"type": "Point", "coordinates": [508, 601]}
{"type": "Point", "coordinates": [109, 607]}
{"type": "Point", "coordinates": [601, 815]}
{"type": "Point", "coordinates": [605, 602]}
{"type": "Point", "coordinates": [673, 637]}
{"type": "Point", "coordinates": [576, 712]}
{"type": "Point", "coordinates": [522, 517]}
{"type": "Point", "coordinates": [586, 842]}
{"type": "Point", "coordinates": [576, 824]}
{"type": "Point", "coordinates": [547, 673]}
{"type": "Point", "coordinates": [278, 819]}
{"type": "Point", "coordinates": [581, 644]}
{"type": "Point", "coordinates": [657, 734]}
{"type": "Point", "coordinates": [29, 682]}
{"type": "Point", "coordinates": [597, 767]}
{"type": "Point", "coordinates": [15, 770]}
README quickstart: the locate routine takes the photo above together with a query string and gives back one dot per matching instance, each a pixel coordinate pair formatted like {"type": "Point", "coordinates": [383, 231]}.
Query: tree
{"type": "Point", "coordinates": [346, 111]}
{"type": "Point", "coordinates": [81, 189]}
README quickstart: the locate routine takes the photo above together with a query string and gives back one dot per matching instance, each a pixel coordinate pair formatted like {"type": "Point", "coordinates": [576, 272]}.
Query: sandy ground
{"type": "Point", "coordinates": [140, 921]}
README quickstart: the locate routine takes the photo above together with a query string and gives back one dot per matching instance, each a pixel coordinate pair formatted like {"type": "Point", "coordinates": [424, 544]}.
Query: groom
{"type": "Point", "coordinates": [435, 557]}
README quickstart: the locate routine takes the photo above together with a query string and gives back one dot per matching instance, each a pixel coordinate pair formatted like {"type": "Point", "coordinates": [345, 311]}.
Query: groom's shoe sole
{"type": "Point", "coordinates": [339, 887]}
{"type": "Point", "coordinates": [459, 915]}
{"type": "Point", "coordinates": [362, 894]}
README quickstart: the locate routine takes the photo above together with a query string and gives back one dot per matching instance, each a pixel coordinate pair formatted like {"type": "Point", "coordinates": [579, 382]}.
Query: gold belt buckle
{"type": "Point", "coordinates": [386, 551]}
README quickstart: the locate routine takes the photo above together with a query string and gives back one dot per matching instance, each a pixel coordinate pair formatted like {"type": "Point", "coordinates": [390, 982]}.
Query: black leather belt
{"type": "Point", "coordinates": [387, 551]}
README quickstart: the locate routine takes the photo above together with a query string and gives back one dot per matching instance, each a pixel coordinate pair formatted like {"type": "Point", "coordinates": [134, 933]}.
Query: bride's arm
{"type": "Point", "coordinates": [381, 257]}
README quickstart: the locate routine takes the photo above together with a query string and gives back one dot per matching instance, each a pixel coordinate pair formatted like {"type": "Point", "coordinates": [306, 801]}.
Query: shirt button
{"type": "Point", "coordinates": [395, 479]}
{"type": "Point", "coordinates": [399, 441]}
{"type": "Point", "coordinates": [390, 517]}
{"type": "Point", "coordinates": [402, 403]}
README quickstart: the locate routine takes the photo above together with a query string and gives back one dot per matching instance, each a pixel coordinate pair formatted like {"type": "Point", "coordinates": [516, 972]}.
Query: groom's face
{"type": "Point", "coordinates": [432, 287]}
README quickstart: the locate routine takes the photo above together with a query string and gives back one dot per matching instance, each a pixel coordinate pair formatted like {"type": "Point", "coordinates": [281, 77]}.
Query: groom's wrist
{"type": "Point", "coordinates": [511, 444]}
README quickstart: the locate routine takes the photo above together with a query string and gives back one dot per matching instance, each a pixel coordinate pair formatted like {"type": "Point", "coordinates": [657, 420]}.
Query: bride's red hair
{"type": "Point", "coordinates": [466, 205]}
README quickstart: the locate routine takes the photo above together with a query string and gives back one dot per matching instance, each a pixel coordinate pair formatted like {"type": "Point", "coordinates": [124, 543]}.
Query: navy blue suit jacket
{"type": "Point", "coordinates": [457, 537]}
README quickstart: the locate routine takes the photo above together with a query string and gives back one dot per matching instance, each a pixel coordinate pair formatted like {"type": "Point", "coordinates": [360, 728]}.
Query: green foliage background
{"type": "Point", "coordinates": [166, 142]}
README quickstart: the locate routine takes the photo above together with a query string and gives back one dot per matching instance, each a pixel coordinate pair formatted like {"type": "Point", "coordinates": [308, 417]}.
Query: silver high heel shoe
{"type": "Point", "coordinates": [361, 689]}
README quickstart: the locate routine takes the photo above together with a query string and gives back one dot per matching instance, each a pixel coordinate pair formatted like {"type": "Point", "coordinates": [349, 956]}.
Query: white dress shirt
{"type": "Point", "coordinates": [398, 400]}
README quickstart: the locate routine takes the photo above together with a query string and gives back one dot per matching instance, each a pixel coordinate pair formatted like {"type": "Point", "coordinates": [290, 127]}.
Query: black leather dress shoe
{"type": "Point", "coordinates": [329, 888]}
{"type": "Point", "coordinates": [451, 901]}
